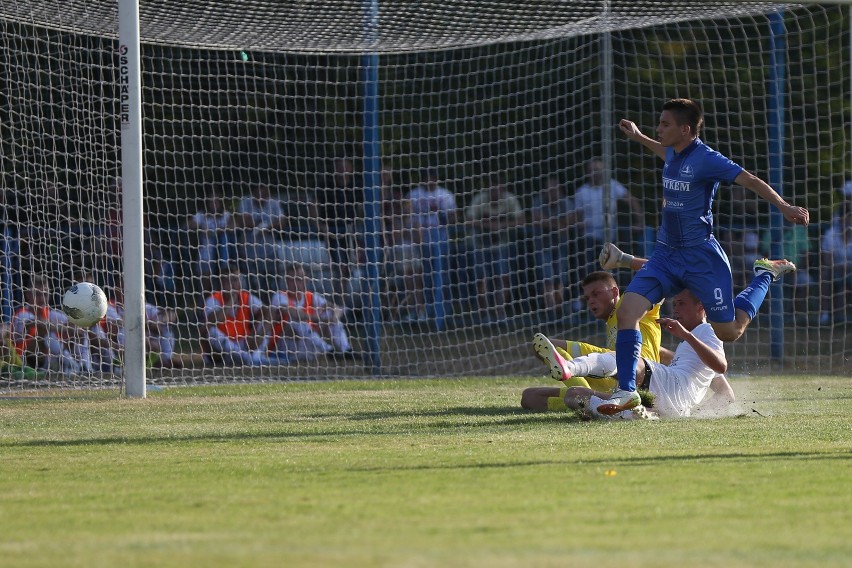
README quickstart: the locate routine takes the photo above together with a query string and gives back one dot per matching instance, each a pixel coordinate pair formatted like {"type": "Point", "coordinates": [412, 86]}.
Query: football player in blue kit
{"type": "Point", "coordinates": [686, 254]}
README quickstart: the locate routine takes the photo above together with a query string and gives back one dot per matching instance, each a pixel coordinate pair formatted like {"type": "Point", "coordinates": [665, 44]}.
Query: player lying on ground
{"type": "Point", "coordinates": [697, 365]}
{"type": "Point", "coordinates": [602, 296]}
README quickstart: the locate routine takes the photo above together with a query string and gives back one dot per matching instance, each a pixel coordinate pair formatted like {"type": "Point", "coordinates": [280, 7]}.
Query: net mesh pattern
{"type": "Point", "coordinates": [254, 129]}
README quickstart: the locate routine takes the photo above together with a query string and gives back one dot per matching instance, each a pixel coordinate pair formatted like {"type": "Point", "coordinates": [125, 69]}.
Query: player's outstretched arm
{"type": "Point", "coordinates": [722, 395]}
{"type": "Point", "coordinates": [612, 257]}
{"type": "Point", "coordinates": [793, 213]}
{"type": "Point", "coordinates": [722, 388]}
{"type": "Point", "coordinates": [629, 128]}
{"type": "Point", "coordinates": [714, 359]}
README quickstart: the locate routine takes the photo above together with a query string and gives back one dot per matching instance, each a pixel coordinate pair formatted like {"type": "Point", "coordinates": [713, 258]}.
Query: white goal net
{"type": "Point", "coordinates": [467, 232]}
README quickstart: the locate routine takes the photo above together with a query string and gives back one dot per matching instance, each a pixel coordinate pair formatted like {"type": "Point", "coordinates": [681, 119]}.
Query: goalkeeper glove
{"type": "Point", "coordinates": [612, 257]}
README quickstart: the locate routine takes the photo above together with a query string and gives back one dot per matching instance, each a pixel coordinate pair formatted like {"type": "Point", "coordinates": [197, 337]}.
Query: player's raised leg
{"type": "Point", "coordinates": [777, 268]}
{"type": "Point", "coordinates": [548, 354]}
{"type": "Point", "coordinates": [748, 302]}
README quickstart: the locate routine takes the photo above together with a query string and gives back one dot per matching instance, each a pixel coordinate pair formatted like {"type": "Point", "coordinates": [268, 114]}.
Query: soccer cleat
{"type": "Point", "coordinates": [546, 351]}
{"type": "Point", "coordinates": [619, 401]}
{"type": "Point", "coordinates": [777, 268]}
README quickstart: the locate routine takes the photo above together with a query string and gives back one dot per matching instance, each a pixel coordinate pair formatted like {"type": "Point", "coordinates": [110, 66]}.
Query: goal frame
{"type": "Point", "coordinates": [130, 76]}
{"type": "Point", "coordinates": [129, 56]}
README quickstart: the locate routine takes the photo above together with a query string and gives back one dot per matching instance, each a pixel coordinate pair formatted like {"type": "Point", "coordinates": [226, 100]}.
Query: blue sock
{"type": "Point", "coordinates": [750, 299]}
{"type": "Point", "coordinates": [628, 347]}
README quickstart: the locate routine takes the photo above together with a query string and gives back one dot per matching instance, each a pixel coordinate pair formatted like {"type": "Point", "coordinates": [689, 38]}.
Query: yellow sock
{"type": "Point", "coordinates": [578, 349]}
{"type": "Point", "coordinates": [556, 404]}
{"type": "Point", "coordinates": [602, 384]}
{"type": "Point", "coordinates": [574, 349]}
{"type": "Point", "coordinates": [577, 382]}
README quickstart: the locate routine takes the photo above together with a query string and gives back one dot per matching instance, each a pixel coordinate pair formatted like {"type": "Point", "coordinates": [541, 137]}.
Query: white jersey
{"type": "Point", "coordinates": [679, 387]}
{"type": "Point", "coordinates": [590, 200]}
{"type": "Point", "coordinates": [262, 212]}
{"type": "Point", "coordinates": [211, 222]}
{"type": "Point", "coordinates": [284, 300]}
{"type": "Point", "coordinates": [428, 206]}
{"type": "Point", "coordinates": [209, 227]}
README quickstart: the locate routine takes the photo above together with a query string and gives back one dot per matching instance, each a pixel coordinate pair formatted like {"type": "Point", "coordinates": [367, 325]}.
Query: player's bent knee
{"type": "Point", "coordinates": [728, 331]}
{"type": "Point", "coordinates": [527, 398]}
{"type": "Point", "coordinates": [577, 397]}
{"type": "Point", "coordinates": [631, 309]}
{"type": "Point", "coordinates": [728, 337]}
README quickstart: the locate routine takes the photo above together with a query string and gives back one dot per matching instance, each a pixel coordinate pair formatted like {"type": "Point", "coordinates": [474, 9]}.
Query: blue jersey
{"type": "Point", "coordinates": [690, 181]}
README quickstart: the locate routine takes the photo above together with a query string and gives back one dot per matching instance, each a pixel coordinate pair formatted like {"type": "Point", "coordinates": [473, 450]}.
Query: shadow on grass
{"type": "Point", "coordinates": [458, 410]}
{"type": "Point", "coordinates": [638, 460]}
{"type": "Point", "coordinates": [840, 455]}
{"type": "Point", "coordinates": [508, 416]}
{"type": "Point", "coordinates": [311, 427]}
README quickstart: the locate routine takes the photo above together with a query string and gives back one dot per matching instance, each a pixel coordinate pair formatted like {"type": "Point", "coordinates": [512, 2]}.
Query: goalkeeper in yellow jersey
{"type": "Point", "coordinates": [602, 296]}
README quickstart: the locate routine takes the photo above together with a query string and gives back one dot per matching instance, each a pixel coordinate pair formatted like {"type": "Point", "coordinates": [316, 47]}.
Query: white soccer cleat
{"type": "Point", "coordinates": [619, 401]}
{"type": "Point", "coordinates": [546, 351]}
{"type": "Point", "coordinates": [777, 268]}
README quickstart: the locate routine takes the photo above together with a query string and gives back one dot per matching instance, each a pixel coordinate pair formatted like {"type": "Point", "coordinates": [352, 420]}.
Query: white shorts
{"type": "Point", "coordinates": [676, 393]}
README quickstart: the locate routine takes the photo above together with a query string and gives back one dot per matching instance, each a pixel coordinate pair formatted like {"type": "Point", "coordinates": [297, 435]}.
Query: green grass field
{"type": "Point", "coordinates": [422, 473]}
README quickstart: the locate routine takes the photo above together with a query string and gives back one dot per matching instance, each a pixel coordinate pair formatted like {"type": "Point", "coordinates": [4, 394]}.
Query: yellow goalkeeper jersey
{"type": "Point", "coordinates": [648, 326]}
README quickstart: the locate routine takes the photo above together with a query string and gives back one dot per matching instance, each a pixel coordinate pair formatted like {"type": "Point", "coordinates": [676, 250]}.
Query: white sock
{"type": "Point", "coordinates": [593, 364]}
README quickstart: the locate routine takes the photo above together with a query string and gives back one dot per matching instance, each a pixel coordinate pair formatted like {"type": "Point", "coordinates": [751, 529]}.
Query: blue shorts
{"type": "Point", "coordinates": [704, 269]}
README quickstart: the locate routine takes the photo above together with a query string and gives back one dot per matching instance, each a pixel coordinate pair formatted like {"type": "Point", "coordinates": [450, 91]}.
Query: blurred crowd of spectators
{"type": "Point", "coordinates": [272, 277]}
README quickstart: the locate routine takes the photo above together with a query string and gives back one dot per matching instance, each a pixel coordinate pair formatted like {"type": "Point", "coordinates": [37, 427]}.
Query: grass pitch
{"type": "Point", "coordinates": [423, 473]}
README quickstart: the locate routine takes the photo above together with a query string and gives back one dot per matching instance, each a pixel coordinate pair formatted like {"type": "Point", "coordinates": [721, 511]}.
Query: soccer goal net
{"type": "Point", "coordinates": [350, 188]}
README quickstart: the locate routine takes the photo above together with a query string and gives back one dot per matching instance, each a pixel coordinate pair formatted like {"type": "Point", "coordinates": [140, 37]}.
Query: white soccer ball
{"type": "Point", "coordinates": [85, 304]}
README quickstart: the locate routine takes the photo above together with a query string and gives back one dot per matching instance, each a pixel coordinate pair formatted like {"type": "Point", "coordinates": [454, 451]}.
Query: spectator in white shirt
{"type": "Point", "coordinates": [213, 224]}
{"type": "Point", "coordinates": [590, 203]}
{"type": "Point", "coordinates": [262, 219]}
{"type": "Point", "coordinates": [836, 264]}
{"type": "Point", "coordinates": [433, 210]}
